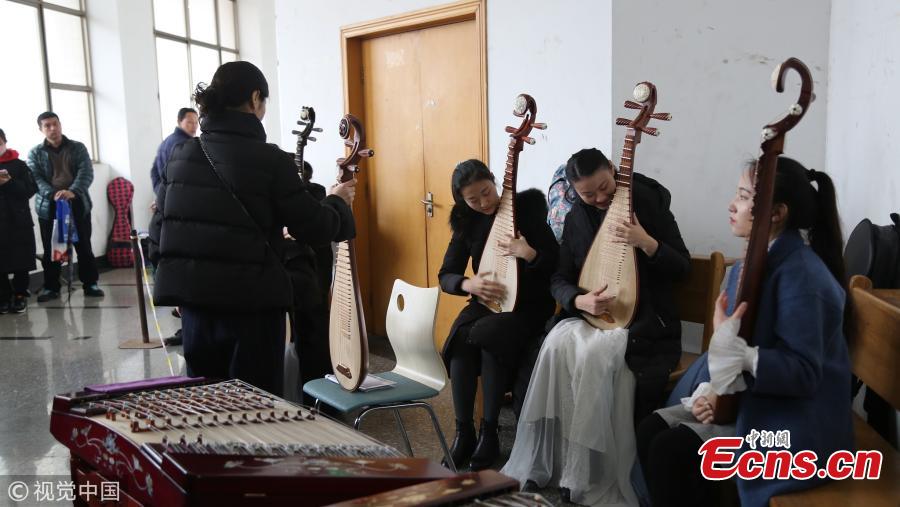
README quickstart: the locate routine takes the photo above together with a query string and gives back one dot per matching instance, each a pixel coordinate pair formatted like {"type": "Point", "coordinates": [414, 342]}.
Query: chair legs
{"type": "Point", "coordinates": [416, 404]}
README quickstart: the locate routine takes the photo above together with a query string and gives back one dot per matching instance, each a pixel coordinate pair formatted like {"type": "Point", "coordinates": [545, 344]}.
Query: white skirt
{"type": "Point", "coordinates": [576, 429]}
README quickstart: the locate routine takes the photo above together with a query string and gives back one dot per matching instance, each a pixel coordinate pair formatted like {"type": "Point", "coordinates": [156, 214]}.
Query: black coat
{"type": "Point", "coordinates": [17, 246]}
{"type": "Point", "coordinates": [534, 303]}
{"type": "Point", "coordinates": [210, 252]}
{"type": "Point", "coordinates": [654, 338]}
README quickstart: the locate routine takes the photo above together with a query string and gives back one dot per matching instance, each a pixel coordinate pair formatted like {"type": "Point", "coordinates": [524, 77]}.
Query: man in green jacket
{"type": "Point", "coordinates": [62, 170]}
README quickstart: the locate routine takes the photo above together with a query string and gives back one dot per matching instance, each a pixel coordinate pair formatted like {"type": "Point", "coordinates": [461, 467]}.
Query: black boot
{"type": "Point", "coordinates": [488, 449]}
{"type": "Point", "coordinates": [463, 444]}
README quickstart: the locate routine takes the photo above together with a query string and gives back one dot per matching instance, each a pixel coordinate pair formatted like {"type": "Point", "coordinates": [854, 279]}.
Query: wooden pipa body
{"type": "Point", "coordinates": [348, 343]}
{"type": "Point", "coordinates": [609, 263]}
{"type": "Point", "coordinates": [753, 269]}
{"type": "Point", "coordinates": [505, 268]}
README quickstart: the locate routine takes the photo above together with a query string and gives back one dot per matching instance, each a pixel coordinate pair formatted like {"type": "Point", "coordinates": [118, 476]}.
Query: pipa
{"type": "Point", "coordinates": [347, 339]}
{"type": "Point", "coordinates": [505, 269]}
{"type": "Point", "coordinates": [307, 121]}
{"type": "Point", "coordinates": [610, 263]}
{"type": "Point", "coordinates": [753, 269]}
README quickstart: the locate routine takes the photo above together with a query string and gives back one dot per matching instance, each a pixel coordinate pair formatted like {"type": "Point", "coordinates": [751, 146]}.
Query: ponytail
{"type": "Point", "coordinates": [825, 235]}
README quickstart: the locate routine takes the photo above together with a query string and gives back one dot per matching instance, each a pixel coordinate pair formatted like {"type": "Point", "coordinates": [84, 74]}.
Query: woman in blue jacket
{"type": "Point", "coordinates": [797, 373]}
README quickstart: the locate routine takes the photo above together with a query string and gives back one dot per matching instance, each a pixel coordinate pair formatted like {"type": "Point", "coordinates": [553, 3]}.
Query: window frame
{"type": "Point", "coordinates": [188, 41]}
{"type": "Point", "coordinates": [49, 86]}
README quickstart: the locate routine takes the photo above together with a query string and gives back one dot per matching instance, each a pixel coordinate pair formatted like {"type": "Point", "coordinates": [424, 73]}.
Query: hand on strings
{"type": "Point", "coordinates": [595, 302]}
{"type": "Point", "coordinates": [719, 316]}
{"type": "Point", "coordinates": [517, 247]}
{"type": "Point", "coordinates": [704, 407]}
{"type": "Point", "coordinates": [4, 177]}
{"type": "Point", "coordinates": [483, 286]}
{"type": "Point", "coordinates": [346, 191]}
{"type": "Point", "coordinates": [64, 195]}
{"type": "Point", "coordinates": [635, 235]}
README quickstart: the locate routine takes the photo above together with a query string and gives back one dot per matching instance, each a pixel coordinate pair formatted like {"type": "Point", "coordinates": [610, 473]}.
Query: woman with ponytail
{"type": "Point", "coordinates": [223, 202]}
{"type": "Point", "coordinates": [795, 377]}
{"type": "Point", "coordinates": [482, 342]}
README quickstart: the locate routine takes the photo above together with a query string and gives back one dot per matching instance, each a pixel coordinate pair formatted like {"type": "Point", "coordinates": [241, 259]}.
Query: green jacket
{"type": "Point", "coordinates": [42, 169]}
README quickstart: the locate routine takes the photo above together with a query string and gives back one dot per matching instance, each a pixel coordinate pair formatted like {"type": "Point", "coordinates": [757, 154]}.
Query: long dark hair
{"type": "Point", "coordinates": [232, 86]}
{"type": "Point", "coordinates": [810, 208]}
{"type": "Point", "coordinates": [465, 173]}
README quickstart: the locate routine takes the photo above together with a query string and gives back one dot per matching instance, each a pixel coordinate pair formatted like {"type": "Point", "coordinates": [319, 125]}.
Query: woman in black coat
{"type": "Point", "coordinates": [17, 246]}
{"type": "Point", "coordinates": [218, 233]}
{"type": "Point", "coordinates": [480, 341]}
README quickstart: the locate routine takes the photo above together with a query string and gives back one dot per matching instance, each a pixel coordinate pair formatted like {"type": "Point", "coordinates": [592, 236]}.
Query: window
{"type": "Point", "coordinates": [193, 37]}
{"type": "Point", "coordinates": [47, 68]}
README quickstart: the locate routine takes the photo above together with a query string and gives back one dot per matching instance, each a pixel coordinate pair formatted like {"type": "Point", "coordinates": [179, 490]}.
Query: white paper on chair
{"type": "Point", "coordinates": [370, 383]}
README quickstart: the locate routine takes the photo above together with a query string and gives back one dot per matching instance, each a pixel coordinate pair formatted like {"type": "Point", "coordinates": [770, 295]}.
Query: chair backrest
{"type": "Point", "coordinates": [410, 327]}
{"type": "Point", "coordinates": [875, 338]}
{"type": "Point", "coordinates": [696, 295]}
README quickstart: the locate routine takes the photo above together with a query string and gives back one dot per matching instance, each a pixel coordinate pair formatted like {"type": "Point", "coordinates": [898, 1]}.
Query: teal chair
{"type": "Point", "coordinates": [419, 373]}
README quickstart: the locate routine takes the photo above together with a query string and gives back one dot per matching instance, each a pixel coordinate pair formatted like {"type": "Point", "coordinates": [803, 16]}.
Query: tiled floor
{"type": "Point", "coordinates": [62, 346]}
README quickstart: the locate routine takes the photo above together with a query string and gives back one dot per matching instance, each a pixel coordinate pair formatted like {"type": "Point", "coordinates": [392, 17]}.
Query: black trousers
{"type": "Point", "coordinates": [19, 285]}
{"type": "Point", "coordinates": [310, 336]}
{"type": "Point", "coordinates": [671, 465]}
{"type": "Point", "coordinates": [87, 265]}
{"type": "Point", "coordinates": [221, 344]}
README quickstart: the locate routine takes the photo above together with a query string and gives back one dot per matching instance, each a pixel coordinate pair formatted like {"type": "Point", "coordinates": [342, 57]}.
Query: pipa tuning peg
{"type": "Point", "coordinates": [651, 131]}
{"type": "Point", "coordinates": [366, 153]}
{"type": "Point", "coordinates": [540, 126]}
{"type": "Point", "coordinates": [511, 130]}
{"type": "Point", "coordinates": [622, 121]}
{"type": "Point", "coordinates": [661, 116]}
{"type": "Point", "coordinates": [528, 140]}
{"type": "Point", "coordinates": [311, 138]}
{"type": "Point", "coordinates": [632, 105]}
{"type": "Point", "coordinates": [317, 129]}
{"type": "Point", "coordinates": [295, 132]}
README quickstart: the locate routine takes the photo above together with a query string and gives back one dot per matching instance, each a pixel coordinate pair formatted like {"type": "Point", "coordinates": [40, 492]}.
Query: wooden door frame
{"type": "Point", "coordinates": [352, 37]}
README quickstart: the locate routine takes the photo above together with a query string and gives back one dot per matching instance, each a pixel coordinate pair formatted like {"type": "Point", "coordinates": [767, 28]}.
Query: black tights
{"type": "Point", "coordinates": [671, 465]}
{"type": "Point", "coordinates": [466, 362]}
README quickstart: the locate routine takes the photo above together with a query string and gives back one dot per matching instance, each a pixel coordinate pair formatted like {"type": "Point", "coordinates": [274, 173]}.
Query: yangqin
{"type": "Point", "coordinates": [181, 441]}
{"type": "Point", "coordinates": [609, 263]}
{"type": "Point", "coordinates": [347, 338]}
{"type": "Point", "coordinates": [504, 268]}
{"type": "Point", "coordinates": [753, 269]}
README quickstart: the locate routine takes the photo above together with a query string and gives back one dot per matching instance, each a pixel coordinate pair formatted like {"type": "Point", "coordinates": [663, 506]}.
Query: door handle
{"type": "Point", "coordinates": [428, 201]}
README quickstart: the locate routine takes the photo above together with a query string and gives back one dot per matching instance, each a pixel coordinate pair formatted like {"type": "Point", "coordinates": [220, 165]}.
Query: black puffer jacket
{"type": "Point", "coordinates": [210, 252]}
{"type": "Point", "coordinates": [16, 226]}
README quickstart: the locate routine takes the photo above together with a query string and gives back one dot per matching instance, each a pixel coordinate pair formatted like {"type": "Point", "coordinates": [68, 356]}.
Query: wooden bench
{"type": "Point", "coordinates": [696, 300]}
{"type": "Point", "coordinates": [875, 359]}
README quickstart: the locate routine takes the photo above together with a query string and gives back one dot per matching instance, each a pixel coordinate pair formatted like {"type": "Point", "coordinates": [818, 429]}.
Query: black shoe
{"type": "Point", "coordinates": [488, 449]}
{"type": "Point", "coordinates": [174, 341]}
{"type": "Point", "coordinates": [565, 495]}
{"type": "Point", "coordinates": [463, 445]}
{"type": "Point", "coordinates": [93, 290]}
{"type": "Point", "coordinates": [5, 307]}
{"type": "Point", "coordinates": [19, 304]}
{"type": "Point", "coordinates": [47, 295]}
{"type": "Point", "coordinates": [530, 487]}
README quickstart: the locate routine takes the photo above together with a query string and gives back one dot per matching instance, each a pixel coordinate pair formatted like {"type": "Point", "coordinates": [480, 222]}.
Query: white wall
{"type": "Point", "coordinates": [711, 63]}
{"type": "Point", "coordinates": [256, 40]}
{"type": "Point", "coordinates": [123, 60]}
{"type": "Point", "coordinates": [863, 131]}
{"type": "Point", "coordinates": [555, 51]}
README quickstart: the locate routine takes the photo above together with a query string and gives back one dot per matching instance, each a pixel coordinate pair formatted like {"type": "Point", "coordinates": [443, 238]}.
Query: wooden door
{"type": "Point", "coordinates": [421, 119]}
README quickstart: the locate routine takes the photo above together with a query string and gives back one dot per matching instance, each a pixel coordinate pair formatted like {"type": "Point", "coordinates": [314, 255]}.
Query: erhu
{"type": "Point", "coordinates": [307, 121]}
{"type": "Point", "coordinates": [611, 263]}
{"type": "Point", "coordinates": [347, 330]}
{"type": "Point", "coordinates": [753, 269]}
{"type": "Point", "coordinates": [503, 268]}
